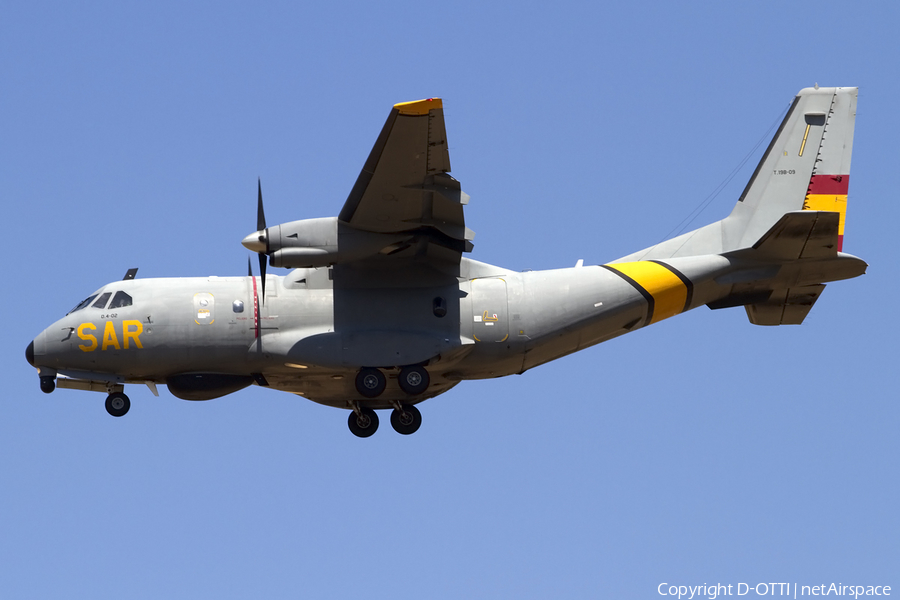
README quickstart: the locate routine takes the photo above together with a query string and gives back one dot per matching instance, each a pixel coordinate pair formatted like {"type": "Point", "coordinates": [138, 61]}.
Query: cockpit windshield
{"type": "Point", "coordinates": [119, 300]}
{"type": "Point", "coordinates": [82, 304]}
{"type": "Point", "coordinates": [102, 300]}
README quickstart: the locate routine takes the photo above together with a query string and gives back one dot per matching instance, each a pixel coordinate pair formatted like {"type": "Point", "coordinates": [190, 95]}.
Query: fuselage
{"type": "Point", "coordinates": [310, 336]}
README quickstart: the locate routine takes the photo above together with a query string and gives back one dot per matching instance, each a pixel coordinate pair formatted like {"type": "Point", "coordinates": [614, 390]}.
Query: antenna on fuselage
{"type": "Point", "coordinates": [129, 274]}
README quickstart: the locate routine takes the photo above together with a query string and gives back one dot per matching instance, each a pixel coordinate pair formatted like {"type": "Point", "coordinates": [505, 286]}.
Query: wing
{"type": "Point", "coordinates": [404, 186]}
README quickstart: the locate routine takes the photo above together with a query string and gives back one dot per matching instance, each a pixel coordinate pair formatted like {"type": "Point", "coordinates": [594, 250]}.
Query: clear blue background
{"type": "Point", "coordinates": [701, 450]}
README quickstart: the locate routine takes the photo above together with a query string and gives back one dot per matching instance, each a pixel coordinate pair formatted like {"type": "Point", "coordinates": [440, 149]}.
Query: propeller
{"type": "Point", "coordinates": [261, 226]}
{"type": "Point", "coordinates": [259, 241]}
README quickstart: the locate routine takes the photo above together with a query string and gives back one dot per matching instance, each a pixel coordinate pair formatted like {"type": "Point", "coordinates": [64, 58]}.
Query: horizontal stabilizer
{"type": "Point", "coordinates": [797, 235]}
{"type": "Point", "coordinates": [785, 307]}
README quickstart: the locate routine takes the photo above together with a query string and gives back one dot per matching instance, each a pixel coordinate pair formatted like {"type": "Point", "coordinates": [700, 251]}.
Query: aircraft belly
{"type": "Point", "coordinates": [353, 349]}
{"type": "Point", "coordinates": [336, 388]}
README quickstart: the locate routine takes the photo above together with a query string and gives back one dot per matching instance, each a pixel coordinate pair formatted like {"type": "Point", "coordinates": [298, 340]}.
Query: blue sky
{"type": "Point", "coordinates": [700, 450]}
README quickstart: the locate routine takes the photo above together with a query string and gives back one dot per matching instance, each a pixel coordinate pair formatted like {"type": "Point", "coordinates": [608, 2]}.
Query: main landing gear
{"type": "Point", "coordinates": [413, 380]}
{"type": "Point", "coordinates": [405, 419]}
{"type": "Point", "coordinates": [363, 422]}
{"type": "Point", "coordinates": [117, 404]}
{"type": "Point", "coordinates": [371, 383]}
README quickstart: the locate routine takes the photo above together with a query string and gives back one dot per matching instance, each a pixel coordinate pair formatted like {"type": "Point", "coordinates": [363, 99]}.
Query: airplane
{"type": "Point", "coordinates": [381, 310]}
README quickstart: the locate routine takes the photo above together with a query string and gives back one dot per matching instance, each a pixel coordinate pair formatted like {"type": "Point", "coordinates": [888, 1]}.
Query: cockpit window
{"type": "Point", "coordinates": [119, 300]}
{"type": "Point", "coordinates": [101, 301]}
{"type": "Point", "coordinates": [82, 304]}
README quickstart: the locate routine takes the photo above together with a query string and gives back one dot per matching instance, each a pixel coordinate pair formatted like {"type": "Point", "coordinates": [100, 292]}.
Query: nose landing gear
{"type": "Point", "coordinates": [117, 404]}
{"type": "Point", "coordinates": [48, 384]}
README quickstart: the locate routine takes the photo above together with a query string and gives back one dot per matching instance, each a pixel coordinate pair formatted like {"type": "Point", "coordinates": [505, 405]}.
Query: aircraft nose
{"type": "Point", "coordinates": [29, 353]}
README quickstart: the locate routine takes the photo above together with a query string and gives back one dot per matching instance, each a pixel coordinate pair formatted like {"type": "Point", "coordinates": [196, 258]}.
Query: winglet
{"type": "Point", "coordinates": [419, 107]}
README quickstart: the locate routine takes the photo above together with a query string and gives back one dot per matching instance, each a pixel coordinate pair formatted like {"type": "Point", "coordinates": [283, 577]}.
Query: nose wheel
{"type": "Point", "coordinates": [117, 404]}
{"type": "Point", "coordinates": [48, 384]}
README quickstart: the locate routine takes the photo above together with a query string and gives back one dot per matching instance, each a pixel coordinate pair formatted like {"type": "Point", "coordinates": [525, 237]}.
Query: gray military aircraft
{"type": "Point", "coordinates": [383, 311]}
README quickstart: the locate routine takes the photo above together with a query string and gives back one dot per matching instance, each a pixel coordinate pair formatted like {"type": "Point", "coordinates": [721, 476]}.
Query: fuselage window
{"type": "Point", "coordinates": [237, 306]}
{"type": "Point", "coordinates": [82, 304]}
{"type": "Point", "coordinates": [119, 300]}
{"type": "Point", "coordinates": [101, 301]}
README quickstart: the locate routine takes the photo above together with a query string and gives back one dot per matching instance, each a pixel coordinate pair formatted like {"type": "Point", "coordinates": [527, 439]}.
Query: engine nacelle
{"type": "Point", "coordinates": [323, 242]}
{"type": "Point", "coordinates": [327, 241]}
{"type": "Point", "coordinates": [307, 233]}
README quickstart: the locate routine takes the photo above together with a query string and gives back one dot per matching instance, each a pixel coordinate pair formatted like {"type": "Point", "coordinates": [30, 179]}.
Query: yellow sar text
{"type": "Point", "coordinates": [131, 331]}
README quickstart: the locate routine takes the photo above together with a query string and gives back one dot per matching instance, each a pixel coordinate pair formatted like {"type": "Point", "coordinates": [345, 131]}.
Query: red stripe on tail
{"type": "Point", "coordinates": [829, 184]}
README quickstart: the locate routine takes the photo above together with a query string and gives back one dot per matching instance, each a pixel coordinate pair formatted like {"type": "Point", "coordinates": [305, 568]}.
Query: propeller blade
{"type": "Point", "coordinates": [262, 275]}
{"type": "Point", "coordinates": [249, 268]}
{"type": "Point", "coordinates": [260, 213]}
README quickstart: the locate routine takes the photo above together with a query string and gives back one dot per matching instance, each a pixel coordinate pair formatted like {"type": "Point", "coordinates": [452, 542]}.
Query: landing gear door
{"type": "Point", "coordinates": [490, 313]}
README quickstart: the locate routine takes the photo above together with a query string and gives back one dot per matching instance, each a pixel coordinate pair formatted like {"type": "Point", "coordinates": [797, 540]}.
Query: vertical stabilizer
{"type": "Point", "coordinates": [806, 167]}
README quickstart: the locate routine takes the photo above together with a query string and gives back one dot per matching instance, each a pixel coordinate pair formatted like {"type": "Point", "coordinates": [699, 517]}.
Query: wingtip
{"type": "Point", "coordinates": [419, 107]}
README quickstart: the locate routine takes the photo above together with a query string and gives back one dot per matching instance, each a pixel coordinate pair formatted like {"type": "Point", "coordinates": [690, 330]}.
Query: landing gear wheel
{"type": "Point", "coordinates": [364, 424]}
{"type": "Point", "coordinates": [48, 384]}
{"type": "Point", "coordinates": [406, 420]}
{"type": "Point", "coordinates": [413, 380]}
{"type": "Point", "coordinates": [370, 382]}
{"type": "Point", "coordinates": [117, 404]}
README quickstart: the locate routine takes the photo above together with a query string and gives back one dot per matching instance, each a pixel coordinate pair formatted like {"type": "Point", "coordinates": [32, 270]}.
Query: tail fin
{"type": "Point", "coordinates": [806, 167]}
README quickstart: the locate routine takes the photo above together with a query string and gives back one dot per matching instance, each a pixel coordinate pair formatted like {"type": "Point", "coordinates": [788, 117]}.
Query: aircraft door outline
{"type": "Point", "coordinates": [204, 308]}
{"type": "Point", "coordinates": [490, 310]}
